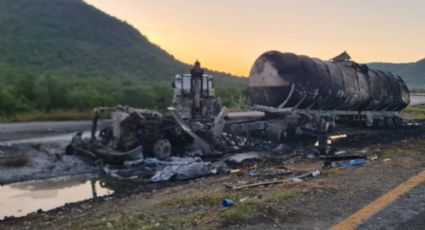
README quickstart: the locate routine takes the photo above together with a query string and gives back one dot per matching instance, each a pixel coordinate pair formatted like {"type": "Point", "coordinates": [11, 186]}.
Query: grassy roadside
{"type": "Point", "coordinates": [188, 213]}
{"type": "Point", "coordinates": [414, 112]}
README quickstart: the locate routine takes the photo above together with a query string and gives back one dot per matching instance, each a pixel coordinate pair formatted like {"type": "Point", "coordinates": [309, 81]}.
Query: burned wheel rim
{"type": "Point", "coordinates": [162, 149]}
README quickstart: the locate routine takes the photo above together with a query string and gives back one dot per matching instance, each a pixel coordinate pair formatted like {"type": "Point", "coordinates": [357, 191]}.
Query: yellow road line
{"type": "Point", "coordinates": [371, 209]}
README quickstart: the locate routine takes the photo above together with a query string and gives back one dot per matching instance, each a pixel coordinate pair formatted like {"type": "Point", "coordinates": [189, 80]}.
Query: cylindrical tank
{"type": "Point", "coordinates": [288, 80]}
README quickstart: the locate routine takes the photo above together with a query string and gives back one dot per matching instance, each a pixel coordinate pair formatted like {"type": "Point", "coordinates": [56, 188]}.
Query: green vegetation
{"type": "Point", "coordinates": [190, 212]}
{"type": "Point", "coordinates": [249, 209]}
{"type": "Point", "coordinates": [71, 39]}
{"type": "Point", "coordinates": [187, 220]}
{"type": "Point", "coordinates": [206, 200]}
{"type": "Point", "coordinates": [46, 97]}
{"type": "Point", "coordinates": [66, 115]}
{"type": "Point", "coordinates": [240, 212]}
{"type": "Point", "coordinates": [65, 55]}
{"type": "Point", "coordinates": [407, 149]}
{"type": "Point", "coordinates": [335, 174]}
{"type": "Point", "coordinates": [414, 112]}
{"type": "Point", "coordinates": [388, 153]}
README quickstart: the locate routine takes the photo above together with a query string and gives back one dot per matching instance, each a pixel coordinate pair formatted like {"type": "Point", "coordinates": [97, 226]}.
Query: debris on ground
{"type": "Point", "coordinates": [373, 158]}
{"type": "Point", "coordinates": [299, 178]}
{"type": "Point", "coordinates": [258, 184]}
{"type": "Point", "coordinates": [227, 203]}
{"type": "Point", "coordinates": [334, 161]}
{"type": "Point", "coordinates": [174, 168]}
{"type": "Point", "coordinates": [241, 158]}
{"type": "Point", "coordinates": [183, 170]}
{"type": "Point", "coordinates": [352, 163]}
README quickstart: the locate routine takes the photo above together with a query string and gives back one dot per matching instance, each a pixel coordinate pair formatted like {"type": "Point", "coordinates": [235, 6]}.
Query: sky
{"type": "Point", "coordinates": [228, 35]}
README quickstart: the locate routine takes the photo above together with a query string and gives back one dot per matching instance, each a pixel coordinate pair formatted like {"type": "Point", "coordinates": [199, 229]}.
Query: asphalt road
{"type": "Point", "coordinates": [417, 100]}
{"type": "Point", "coordinates": [408, 212]}
{"type": "Point", "coordinates": [24, 130]}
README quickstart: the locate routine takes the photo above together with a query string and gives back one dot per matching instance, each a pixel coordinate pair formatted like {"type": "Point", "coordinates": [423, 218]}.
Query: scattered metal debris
{"type": "Point", "coordinates": [259, 184]}
{"type": "Point", "coordinates": [182, 170]}
{"type": "Point", "coordinates": [352, 163]}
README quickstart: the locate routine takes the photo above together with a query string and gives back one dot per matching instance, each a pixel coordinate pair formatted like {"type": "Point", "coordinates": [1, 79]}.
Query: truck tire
{"type": "Point", "coordinates": [162, 149]}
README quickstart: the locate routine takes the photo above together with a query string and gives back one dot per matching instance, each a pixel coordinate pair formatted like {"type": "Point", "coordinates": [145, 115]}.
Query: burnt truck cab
{"type": "Point", "coordinates": [183, 99]}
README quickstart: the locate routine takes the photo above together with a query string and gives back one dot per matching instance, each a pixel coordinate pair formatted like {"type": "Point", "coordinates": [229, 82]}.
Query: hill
{"type": "Point", "coordinates": [71, 39]}
{"type": "Point", "coordinates": [413, 73]}
{"type": "Point", "coordinates": [68, 55]}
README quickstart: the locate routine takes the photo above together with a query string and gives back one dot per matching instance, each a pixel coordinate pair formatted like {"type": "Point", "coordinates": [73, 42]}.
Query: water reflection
{"type": "Point", "coordinates": [22, 198]}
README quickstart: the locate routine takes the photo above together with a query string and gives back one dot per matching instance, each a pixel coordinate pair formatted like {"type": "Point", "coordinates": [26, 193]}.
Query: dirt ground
{"type": "Point", "coordinates": [317, 203]}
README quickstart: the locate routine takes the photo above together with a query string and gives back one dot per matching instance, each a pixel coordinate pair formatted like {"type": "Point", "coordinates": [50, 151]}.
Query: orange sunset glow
{"type": "Point", "coordinates": [229, 35]}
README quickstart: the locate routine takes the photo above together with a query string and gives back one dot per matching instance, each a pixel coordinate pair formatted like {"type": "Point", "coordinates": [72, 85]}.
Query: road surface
{"type": "Point", "coordinates": [417, 100]}
{"type": "Point", "coordinates": [408, 212]}
{"type": "Point", "coordinates": [24, 130]}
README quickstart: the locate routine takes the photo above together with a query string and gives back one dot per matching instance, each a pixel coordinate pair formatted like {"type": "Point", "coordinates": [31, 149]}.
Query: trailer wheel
{"type": "Point", "coordinates": [389, 122]}
{"type": "Point", "coordinates": [379, 123]}
{"type": "Point", "coordinates": [162, 149]}
{"type": "Point", "coordinates": [369, 123]}
{"type": "Point", "coordinates": [398, 121]}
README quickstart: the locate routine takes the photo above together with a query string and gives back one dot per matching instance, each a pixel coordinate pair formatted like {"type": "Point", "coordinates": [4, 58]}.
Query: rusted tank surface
{"type": "Point", "coordinates": [288, 80]}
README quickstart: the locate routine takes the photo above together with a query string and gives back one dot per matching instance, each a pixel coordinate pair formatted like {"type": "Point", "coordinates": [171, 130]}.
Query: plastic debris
{"type": "Point", "coordinates": [279, 148]}
{"type": "Point", "coordinates": [373, 158]}
{"type": "Point", "coordinates": [296, 179]}
{"type": "Point", "coordinates": [352, 163]}
{"type": "Point", "coordinates": [227, 203]}
{"type": "Point", "coordinates": [244, 199]}
{"type": "Point", "coordinates": [341, 152]}
{"type": "Point", "coordinates": [271, 173]}
{"type": "Point", "coordinates": [301, 177]}
{"type": "Point", "coordinates": [315, 173]}
{"type": "Point", "coordinates": [252, 174]}
{"type": "Point", "coordinates": [241, 157]}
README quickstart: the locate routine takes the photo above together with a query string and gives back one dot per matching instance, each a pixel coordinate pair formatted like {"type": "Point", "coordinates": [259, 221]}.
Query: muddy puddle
{"type": "Point", "coordinates": [20, 199]}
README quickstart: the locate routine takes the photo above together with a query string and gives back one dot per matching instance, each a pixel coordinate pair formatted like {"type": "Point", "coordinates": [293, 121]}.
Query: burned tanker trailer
{"type": "Point", "coordinates": [336, 90]}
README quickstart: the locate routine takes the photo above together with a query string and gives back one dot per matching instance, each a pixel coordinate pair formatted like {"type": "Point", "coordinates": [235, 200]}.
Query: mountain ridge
{"type": "Point", "coordinates": [413, 73]}
{"type": "Point", "coordinates": [71, 38]}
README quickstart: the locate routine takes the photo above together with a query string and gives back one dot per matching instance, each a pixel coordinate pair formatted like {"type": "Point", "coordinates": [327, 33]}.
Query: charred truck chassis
{"type": "Point", "coordinates": [292, 96]}
{"type": "Point", "coordinates": [378, 119]}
